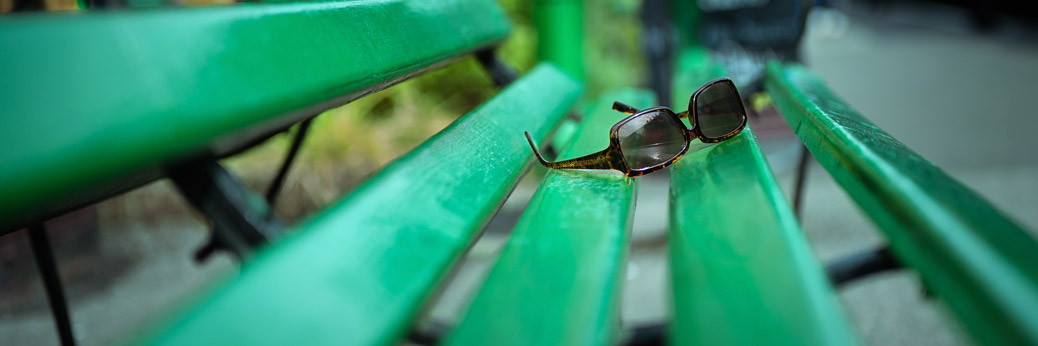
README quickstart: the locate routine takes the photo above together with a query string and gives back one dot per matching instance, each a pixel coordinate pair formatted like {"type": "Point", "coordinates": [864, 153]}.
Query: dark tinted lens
{"type": "Point", "coordinates": [719, 110]}
{"type": "Point", "coordinates": [650, 139]}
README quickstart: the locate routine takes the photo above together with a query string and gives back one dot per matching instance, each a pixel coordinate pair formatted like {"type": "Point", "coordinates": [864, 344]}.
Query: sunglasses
{"type": "Point", "coordinates": [651, 139]}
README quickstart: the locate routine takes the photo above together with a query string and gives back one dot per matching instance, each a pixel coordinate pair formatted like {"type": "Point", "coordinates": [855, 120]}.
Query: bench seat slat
{"type": "Point", "coordinates": [558, 278]}
{"type": "Point", "coordinates": [358, 273]}
{"type": "Point", "coordinates": [967, 253]}
{"type": "Point", "coordinates": [742, 270]}
{"type": "Point", "coordinates": [118, 94]}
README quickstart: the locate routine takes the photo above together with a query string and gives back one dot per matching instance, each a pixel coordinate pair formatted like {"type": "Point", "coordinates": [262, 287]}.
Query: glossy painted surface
{"type": "Point", "coordinates": [358, 273]}
{"type": "Point", "coordinates": [560, 33]}
{"type": "Point", "coordinates": [742, 270]}
{"type": "Point", "coordinates": [557, 281]}
{"type": "Point", "coordinates": [984, 266]}
{"type": "Point", "coordinates": [94, 100]}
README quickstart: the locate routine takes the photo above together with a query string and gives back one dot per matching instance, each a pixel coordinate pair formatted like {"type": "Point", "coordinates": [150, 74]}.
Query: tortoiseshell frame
{"type": "Point", "coordinates": [612, 157]}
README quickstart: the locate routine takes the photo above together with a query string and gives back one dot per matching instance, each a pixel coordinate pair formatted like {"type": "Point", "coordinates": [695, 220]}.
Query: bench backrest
{"type": "Point", "coordinates": [102, 101]}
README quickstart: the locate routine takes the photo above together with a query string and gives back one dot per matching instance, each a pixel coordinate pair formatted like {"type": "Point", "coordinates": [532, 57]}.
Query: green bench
{"type": "Point", "coordinates": [166, 92]}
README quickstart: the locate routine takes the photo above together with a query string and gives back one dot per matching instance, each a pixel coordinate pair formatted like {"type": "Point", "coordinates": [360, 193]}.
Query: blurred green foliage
{"type": "Point", "coordinates": [348, 143]}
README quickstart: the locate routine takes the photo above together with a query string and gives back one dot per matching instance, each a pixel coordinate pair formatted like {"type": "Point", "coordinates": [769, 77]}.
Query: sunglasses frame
{"type": "Point", "coordinates": [613, 158]}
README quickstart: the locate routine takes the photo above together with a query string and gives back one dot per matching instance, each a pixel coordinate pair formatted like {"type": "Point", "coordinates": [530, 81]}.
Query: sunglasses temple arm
{"type": "Point", "coordinates": [599, 160]}
{"type": "Point", "coordinates": [623, 108]}
{"type": "Point", "coordinates": [535, 151]}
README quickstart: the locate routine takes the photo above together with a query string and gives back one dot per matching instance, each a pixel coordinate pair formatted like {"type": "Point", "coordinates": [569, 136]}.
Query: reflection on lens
{"type": "Point", "coordinates": [719, 110]}
{"type": "Point", "coordinates": [650, 139]}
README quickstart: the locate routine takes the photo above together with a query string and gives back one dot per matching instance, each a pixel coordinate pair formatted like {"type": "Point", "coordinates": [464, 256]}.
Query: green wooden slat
{"type": "Point", "coordinates": [969, 254]}
{"type": "Point", "coordinates": [742, 270]}
{"type": "Point", "coordinates": [557, 281]}
{"type": "Point", "coordinates": [358, 273]}
{"type": "Point", "coordinates": [120, 93]}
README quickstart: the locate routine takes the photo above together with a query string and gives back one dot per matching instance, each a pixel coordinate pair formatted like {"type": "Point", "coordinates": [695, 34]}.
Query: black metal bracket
{"type": "Point", "coordinates": [652, 334]}
{"type": "Point", "coordinates": [242, 221]}
{"type": "Point", "coordinates": [499, 71]}
{"type": "Point", "coordinates": [798, 189]}
{"type": "Point", "coordinates": [861, 264]}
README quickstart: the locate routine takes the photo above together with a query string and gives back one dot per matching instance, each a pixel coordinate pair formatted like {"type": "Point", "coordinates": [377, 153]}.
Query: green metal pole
{"type": "Point", "coordinates": [560, 30]}
{"type": "Point", "coordinates": [685, 14]}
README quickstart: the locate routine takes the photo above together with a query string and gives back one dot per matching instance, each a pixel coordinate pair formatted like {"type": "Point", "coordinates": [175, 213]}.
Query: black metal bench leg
{"type": "Point", "coordinates": [279, 179]}
{"type": "Point", "coordinates": [798, 189]}
{"type": "Point", "coordinates": [500, 72]}
{"type": "Point", "coordinates": [657, 44]}
{"type": "Point", "coordinates": [41, 250]}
